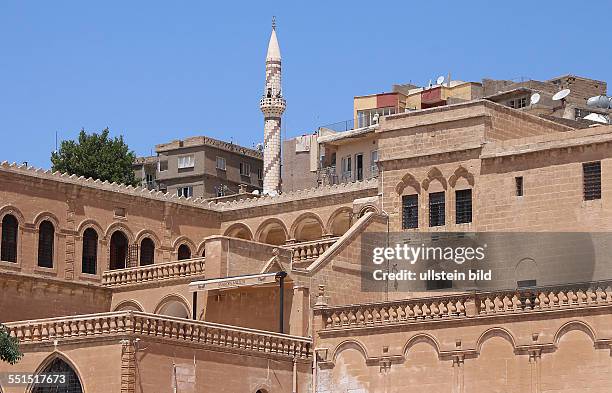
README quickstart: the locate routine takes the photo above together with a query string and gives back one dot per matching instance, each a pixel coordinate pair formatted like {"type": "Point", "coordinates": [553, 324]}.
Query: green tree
{"type": "Point", "coordinates": [9, 347]}
{"type": "Point", "coordinates": [97, 156]}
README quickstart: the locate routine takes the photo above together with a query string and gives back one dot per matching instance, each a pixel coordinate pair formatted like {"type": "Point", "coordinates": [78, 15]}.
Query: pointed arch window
{"type": "Point", "coordinates": [147, 252]}
{"type": "Point", "coordinates": [184, 252]}
{"type": "Point", "coordinates": [10, 229]}
{"type": "Point", "coordinates": [90, 251]}
{"type": "Point", "coordinates": [72, 383]}
{"type": "Point", "coordinates": [46, 240]}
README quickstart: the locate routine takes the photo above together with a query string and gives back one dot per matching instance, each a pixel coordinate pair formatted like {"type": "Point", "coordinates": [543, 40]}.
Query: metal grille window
{"type": "Point", "coordinates": [518, 181]}
{"type": "Point", "coordinates": [90, 251]}
{"type": "Point", "coordinates": [591, 172]}
{"type": "Point", "coordinates": [436, 209]}
{"type": "Point", "coordinates": [410, 211]}
{"type": "Point", "coordinates": [463, 206]}
{"type": "Point", "coordinates": [46, 234]}
{"type": "Point", "coordinates": [147, 252]}
{"type": "Point", "coordinates": [58, 366]}
{"type": "Point", "coordinates": [10, 228]}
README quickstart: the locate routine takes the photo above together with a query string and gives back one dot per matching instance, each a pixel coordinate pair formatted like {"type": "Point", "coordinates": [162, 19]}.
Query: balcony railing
{"type": "Point", "coordinates": [173, 330]}
{"type": "Point", "coordinates": [311, 250]}
{"type": "Point", "coordinates": [154, 272]}
{"type": "Point", "coordinates": [467, 305]}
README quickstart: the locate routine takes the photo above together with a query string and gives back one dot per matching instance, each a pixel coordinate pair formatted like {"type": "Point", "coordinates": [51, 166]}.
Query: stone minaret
{"type": "Point", "coordinates": [272, 105]}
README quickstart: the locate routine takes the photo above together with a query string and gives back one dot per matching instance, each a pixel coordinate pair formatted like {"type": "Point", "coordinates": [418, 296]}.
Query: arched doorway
{"type": "Point", "coordinates": [239, 231]}
{"type": "Point", "coordinates": [10, 228]}
{"type": "Point", "coordinates": [147, 252]}
{"type": "Point", "coordinates": [90, 251]}
{"type": "Point", "coordinates": [184, 252]}
{"type": "Point", "coordinates": [57, 366]}
{"type": "Point", "coordinates": [118, 250]}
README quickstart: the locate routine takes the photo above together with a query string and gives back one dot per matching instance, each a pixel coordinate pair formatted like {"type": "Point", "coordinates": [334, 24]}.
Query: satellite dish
{"type": "Point", "coordinates": [610, 106]}
{"type": "Point", "coordinates": [596, 117]}
{"type": "Point", "coordinates": [440, 80]}
{"type": "Point", "coordinates": [535, 98]}
{"type": "Point", "coordinates": [255, 192]}
{"type": "Point", "coordinates": [561, 95]}
{"type": "Point", "coordinates": [602, 102]}
{"type": "Point", "coordinates": [375, 118]}
{"type": "Point", "coordinates": [260, 146]}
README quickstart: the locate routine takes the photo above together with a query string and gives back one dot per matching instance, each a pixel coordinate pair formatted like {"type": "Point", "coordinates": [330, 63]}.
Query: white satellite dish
{"type": "Point", "coordinates": [599, 102]}
{"type": "Point", "coordinates": [596, 117]}
{"type": "Point", "coordinates": [440, 80]}
{"type": "Point", "coordinates": [255, 192]}
{"type": "Point", "coordinates": [535, 98]}
{"type": "Point", "coordinates": [561, 95]}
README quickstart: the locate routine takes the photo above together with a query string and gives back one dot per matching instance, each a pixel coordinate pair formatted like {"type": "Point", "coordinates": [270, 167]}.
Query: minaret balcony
{"type": "Point", "coordinates": [272, 105]}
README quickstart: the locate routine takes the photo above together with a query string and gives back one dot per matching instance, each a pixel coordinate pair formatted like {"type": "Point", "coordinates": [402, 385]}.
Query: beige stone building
{"type": "Point", "coordinates": [128, 289]}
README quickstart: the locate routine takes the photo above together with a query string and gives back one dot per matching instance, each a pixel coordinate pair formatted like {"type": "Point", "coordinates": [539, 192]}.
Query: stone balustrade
{"type": "Point", "coordinates": [374, 314]}
{"type": "Point", "coordinates": [311, 250]}
{"type": "Point", "coordinates": [467, 305]}
{"type": "Point", "coordinates": [154, 272]}
{"type": "Point", "coordinates": [545, 298]}
{"type": "Point", "coordinates": [127, 324]}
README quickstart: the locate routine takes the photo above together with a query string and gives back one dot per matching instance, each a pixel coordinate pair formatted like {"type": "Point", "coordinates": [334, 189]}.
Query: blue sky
{"type": "Point", "coordinates": [156, 71]}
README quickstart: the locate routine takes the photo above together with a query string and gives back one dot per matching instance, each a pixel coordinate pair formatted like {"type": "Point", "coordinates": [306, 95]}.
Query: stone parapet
{"type": "Point", "coordinates": [467, 305]}
{"type": "Point", "coordinates": [155, 272]}
{"type": "Point", "coordinates": [133, 324]}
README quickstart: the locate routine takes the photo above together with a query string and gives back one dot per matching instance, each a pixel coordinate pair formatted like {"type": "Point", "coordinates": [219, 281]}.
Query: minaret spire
{"type": "Point", "coordinates": [272, 105]}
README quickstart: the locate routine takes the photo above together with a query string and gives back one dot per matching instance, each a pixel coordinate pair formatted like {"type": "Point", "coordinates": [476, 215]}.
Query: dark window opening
{"type": "Point", "coordinates": [592, 180]}
{"type": "Point", "coordinates": [10, 228]}
{"type": "Point", "coordinates": [89, 260]}
{"type": "Point", "coordinates": [410, 211]}
{"type": "Point", "coordinates": [518, 181]}
{"type": "Point", "coordinates": [433, 285]}
{"type": "Point", "coordinates": [436, 209]}
{"type": "Point", "coordinates": [463, 206]}
{"type": "Point", "coordinates": [184, 252]}
{"type": "Point", "coordinates": [118, 251]}
{"type": "Point", "coordinates": [147, 252]}
{"type": "Point", "coordinates": [46, 234]}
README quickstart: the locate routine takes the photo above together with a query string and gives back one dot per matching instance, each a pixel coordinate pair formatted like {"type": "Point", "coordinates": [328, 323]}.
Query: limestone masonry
{"type": "Point", "coordinates": [95, 277]}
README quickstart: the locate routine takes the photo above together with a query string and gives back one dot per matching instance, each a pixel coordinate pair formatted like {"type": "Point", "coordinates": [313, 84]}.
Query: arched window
{"type": "Point", "coordinates": [90, 251]}
{"type": "Point", "coordinates": [10, 228]}
{"type": "Point", "coordinates": [184, 252]}
{"type": "Point", "coordinates": [118, 250]}
{"type": "Point", "coordinates": [147, 252]}
{"type": "Point", "coordinates": [46, 238]}
{"type": "Point", "coordinates": [72, 383]}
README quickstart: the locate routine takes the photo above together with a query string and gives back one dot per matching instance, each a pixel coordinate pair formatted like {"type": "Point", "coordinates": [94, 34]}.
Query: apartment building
{"type": "Point", "coordinates": [201, 167]}
{"type": "Point", "coordinates": [348, 151]}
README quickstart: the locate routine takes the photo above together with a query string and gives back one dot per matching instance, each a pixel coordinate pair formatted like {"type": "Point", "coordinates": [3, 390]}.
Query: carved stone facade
{"type": "Point", "coordinates": [133, 326]}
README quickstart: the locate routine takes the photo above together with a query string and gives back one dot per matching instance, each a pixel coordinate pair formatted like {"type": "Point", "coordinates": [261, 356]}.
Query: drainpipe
{"type": "Point", "coordinates": [314, 371]}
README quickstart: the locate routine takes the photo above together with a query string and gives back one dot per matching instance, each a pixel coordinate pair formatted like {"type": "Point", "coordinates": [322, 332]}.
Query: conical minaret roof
{"type": "Point", "coordinates": [273, 48]}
